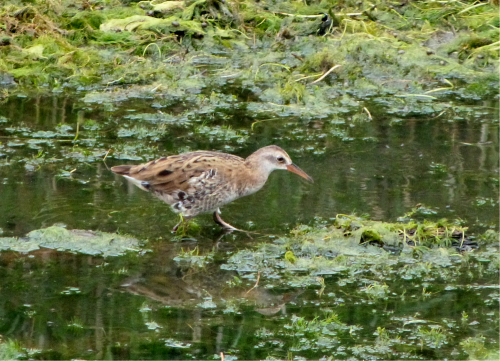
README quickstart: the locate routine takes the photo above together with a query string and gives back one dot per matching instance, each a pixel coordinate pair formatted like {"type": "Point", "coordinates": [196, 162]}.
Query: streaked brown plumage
{"type": "Point", "coordinates": [201, 182]}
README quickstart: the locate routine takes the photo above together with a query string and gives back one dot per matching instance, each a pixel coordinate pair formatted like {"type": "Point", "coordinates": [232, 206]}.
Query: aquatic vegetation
{"type": "Point", "coordinates": [329, 322]}
{"type": "Point", "coordinates": [414, 250]}
{"type": "Point", "coordinates": [324, 314]}
{"type": "Point", "coordinates": [405, 50]}
{"type": "Point", "coordinates": [376, 290]}
{"type": "Point", "coordinates": [433, 337]}
{"type": "Point", "coordinates": [10, 350]}
{"type": "Point", "coordinates": [75, 326]}
{"type": "Point", "coordinates": [476, 349]}
{"type": "Point", "coordinates": [390, 104]}
{"type": "Point", "coordinates": [192, 258]}
{"type": "Point", "coordinates": [87, 242]}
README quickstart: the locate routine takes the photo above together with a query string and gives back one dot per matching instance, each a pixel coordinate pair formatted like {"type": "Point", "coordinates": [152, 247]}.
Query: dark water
{"type": "Point", "coordinates": [381, 168]}
{"type": "Point", "coordinates": [61, 305]}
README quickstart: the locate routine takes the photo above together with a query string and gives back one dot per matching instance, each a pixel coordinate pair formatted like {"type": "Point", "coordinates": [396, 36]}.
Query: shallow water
{"type": "Point", "coordinates": [381, 168]}
{"type": "Point", "coordinates": [60, 304]}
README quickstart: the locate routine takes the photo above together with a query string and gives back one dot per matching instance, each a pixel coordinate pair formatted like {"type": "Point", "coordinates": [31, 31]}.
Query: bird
{"type": "Point", "coordinates": [199, 182]}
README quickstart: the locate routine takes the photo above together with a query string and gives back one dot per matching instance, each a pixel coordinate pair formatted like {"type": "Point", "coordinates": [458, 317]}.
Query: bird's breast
{"type": "Point", "coordinates": [250, 185]}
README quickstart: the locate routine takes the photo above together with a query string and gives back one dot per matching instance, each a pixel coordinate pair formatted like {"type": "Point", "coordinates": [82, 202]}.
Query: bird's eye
{"type": "Point", "coordinates": [281, 159]}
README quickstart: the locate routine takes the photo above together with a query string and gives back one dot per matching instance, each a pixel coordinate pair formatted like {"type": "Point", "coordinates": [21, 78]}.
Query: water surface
{"type": "Point", "coordinates": [55, 154]}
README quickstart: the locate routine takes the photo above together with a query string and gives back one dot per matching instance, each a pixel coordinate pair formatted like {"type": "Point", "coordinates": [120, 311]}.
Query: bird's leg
{"type": "Point", "coordinates": [176, 227]}
{"type": "Point", "coordinates": [183, 219]}
{"type": "Point", "coordinates": [222, 223]}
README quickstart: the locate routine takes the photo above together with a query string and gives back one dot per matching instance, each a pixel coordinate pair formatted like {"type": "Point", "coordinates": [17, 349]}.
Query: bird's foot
{"type": "Point", "coordinates": [226, 226]}
{"type": "Point", "coordinates": [222, 223]}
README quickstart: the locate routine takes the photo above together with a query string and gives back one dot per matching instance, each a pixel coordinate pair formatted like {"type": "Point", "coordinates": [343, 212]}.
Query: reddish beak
{"type": "Point", "coordinates": [294, 169]}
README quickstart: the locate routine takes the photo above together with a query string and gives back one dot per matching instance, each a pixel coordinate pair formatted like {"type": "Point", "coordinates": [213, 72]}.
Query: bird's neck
{"type": "Point", "coordinates": [257, 174]}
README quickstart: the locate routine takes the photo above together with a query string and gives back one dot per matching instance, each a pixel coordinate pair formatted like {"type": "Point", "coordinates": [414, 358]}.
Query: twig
{"type": "Point", "coordinates": [256, 283]}
{"type": "Point", "coordinates": [275, 64]}
{"type": "Point", "coordinates": [444, 111]}
{"type": "Point", "coordinates": [242, 33]}
{"type": "Point", "coordinates": [306, 77]}
{"type": "Point", "coordinates": [260, 23]}
{"type": "Point", "coordinates": [414, 95]}
{"type": "Point", "coordinates": [314, 16]}
{"type": "Point", "coordinates": [230, 75]}
{"type": "Point", "coordinates": [486, 46]}
{"type": "Point", "coordinates": [114, 81]}
{"type": "Point", "coordinates": [297, 57]}
{"type": "Point", "coordinates": [146, 48]}
{"type": "Point", "coordinates": [106, 155]}
{"type": "Point", "coordinates": [77, 131]}
{"type": "Point", "coordinates": [470, 8]}
{"type": "Point", "coordinates": [155, 88]}
{"type": "Point", "coordinates": [52, 140]}
{"type": "Point", "coordinates": [328, 72]}
{"type": "Point", "coordinates": [368, 112]}
{"type": "Point", "coordinates": [259, 121]}
{"type": "Point", "coordinates": [439, 89]}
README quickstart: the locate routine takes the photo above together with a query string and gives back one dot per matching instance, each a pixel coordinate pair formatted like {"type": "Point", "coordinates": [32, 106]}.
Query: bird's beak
{"type": "Point", "coordinates": [294, 169]}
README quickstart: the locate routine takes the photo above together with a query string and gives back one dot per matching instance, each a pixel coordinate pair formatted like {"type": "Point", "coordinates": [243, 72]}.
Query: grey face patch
{"type": "Point", "coordinates": [271, 158]}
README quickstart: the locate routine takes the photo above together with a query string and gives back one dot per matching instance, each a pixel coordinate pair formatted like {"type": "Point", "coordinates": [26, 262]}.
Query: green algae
{"type": "Point", "coordinates": [353, 244]}
{"type": "Point", "coordinates": [61, 239]}
{"type": "Point", "coordinates": [476, 349]}
{"type": "Point", "coordinates": [340, 314]}
{"type": "Point", "coordinates": [120, 43]}
{"type": "Point", "coordinates": [164, 26]}
{"type": "Point", "coordinates": [330, 252]}
{"type": "Point", "coordinates": [10, 350]}
{"type": "Point", "coordinates": [192, 258]}
{"type": "Point", "coordinates": [190, 87]}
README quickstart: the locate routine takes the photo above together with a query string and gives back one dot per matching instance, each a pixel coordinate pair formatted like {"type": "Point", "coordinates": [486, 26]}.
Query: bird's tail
{"type": "Point", "coordinates": [121, 169]}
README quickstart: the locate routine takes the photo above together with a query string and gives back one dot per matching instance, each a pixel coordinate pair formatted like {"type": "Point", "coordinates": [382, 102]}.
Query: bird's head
{"type": "Point", "coordinates": [273, 157]}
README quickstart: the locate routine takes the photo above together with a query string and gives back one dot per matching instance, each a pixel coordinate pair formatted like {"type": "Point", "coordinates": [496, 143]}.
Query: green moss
{"type": "Point", "coordinates": [125, 38]}
{"type": "Point", "coordinates": [376, 290]}
{"type": "Point", "coordinates": [10, 350]}
{"type": "Point", "coordinates": [476, 349]}
{"type": "Point", "coordinates": [321, 61]}
{"type": "Point", "coordinates": [367, 45]}
{"type": "Point", "coordinates": [370, 235]}
{"type": "Point", "coordinates": [353, 243]}
{"type": "Point", "coordinates": [81, 20]}
{"type": "Point", "coordinates": [189, 11]}
{"type": "Point", "coordinates": [290, 257]}
{"type": "Point", "coordinates": [86, 242]}
{"type": "Point", "coordinates": [192, 258]}
{"type": "Point", "coordinates": [433, 337]}
{"type": "Point", "coordinates": [481, 89]}
{"type": "Point", "coordinates": [121, 11]}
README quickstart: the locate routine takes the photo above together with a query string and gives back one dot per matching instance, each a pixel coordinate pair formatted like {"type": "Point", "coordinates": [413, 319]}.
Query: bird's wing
{"type": "Point", "coordinates": [184, 181]}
